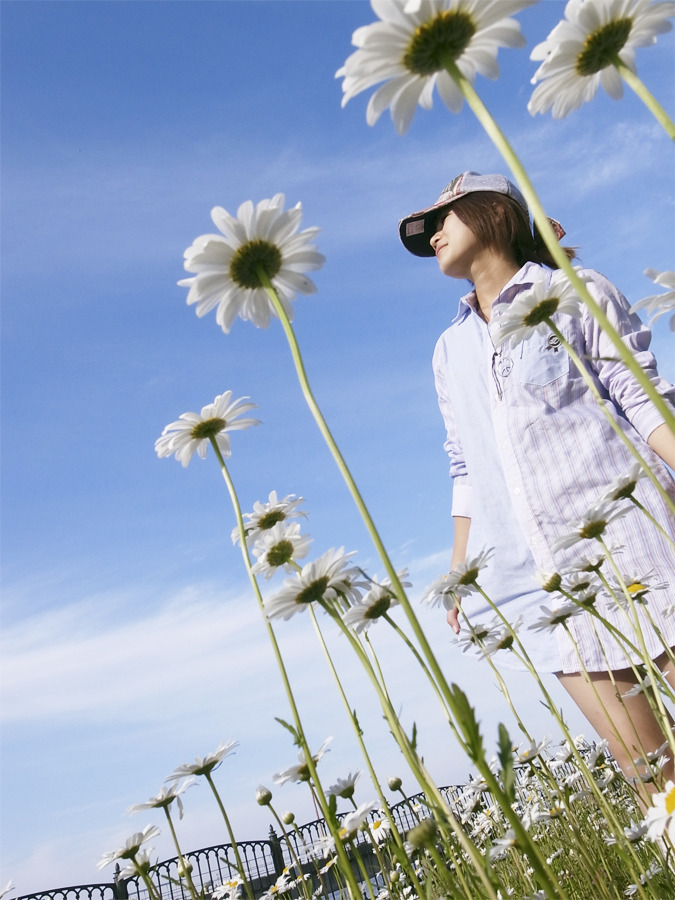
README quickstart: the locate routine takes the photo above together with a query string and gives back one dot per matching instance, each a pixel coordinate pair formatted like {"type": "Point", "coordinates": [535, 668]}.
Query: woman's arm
{"type": "Point", "coordinates": [662, 441]}
{"type": "Point", "coordinates": [462, 526]}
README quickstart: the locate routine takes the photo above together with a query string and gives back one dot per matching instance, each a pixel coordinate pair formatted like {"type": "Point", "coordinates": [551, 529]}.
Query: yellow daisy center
{"type": "Point", "coordinates": [279, 554]}
{"type": "Point", "coordinates": [208, 428]}
{"type": "Point", "coordinates": [593, 529]}
{"type": "Point", "coordinates": [635, 587]}
{"type": "Point", "coordinates": [625, 492]}
{"type": "Point", "coordinates": [314, 591]}
{"type": "Point", "coordinates": [250, 258]}
{"type": "Point", "coordinates": [541, 312]}
{"type": "Point", "coordinates": [436, 42]}
{"type": "Point", "coordinates": [469, 577]}
{"type": "Point", "coordinates": [378, 608]}
{"type": "Point", "coordinates": [602, 47]}
{"type": "Point", "coordinates": [270, 519]}
{"type": "Point", "coordinates": [553, 583]}
{"type": "Point", "coordinates": [670, 801]}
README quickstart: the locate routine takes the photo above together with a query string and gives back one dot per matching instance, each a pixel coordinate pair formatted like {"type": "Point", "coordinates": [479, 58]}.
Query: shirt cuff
{"type": "Point", "coordinates": [461, 499]}
{"type": "Point", "coordinates": [647, 419]}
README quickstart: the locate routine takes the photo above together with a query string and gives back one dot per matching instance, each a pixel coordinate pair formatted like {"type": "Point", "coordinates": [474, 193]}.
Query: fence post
{"type": "Point", "coordinates": [119, 887]}
{"type": "Point", "coordinates": [277, 855]}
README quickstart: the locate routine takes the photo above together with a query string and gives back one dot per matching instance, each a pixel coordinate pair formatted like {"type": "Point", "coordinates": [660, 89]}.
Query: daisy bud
{"type": "Point", "coordinates": [549, 581]}
{"type": "Point", "coordinates": [423, 835]}
{"type": "Point", "coordinates": [394, 783]}
{"type": "Point", "coordinates": [263, 796]}
{"type": "Point", "coordinates": [288, 817]}
{"type": "Point", "coordinates": [184, 869]}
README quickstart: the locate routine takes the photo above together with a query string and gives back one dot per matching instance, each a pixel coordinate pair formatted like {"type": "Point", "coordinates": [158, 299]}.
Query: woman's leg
{"type": "Point", "coordinates": [626, 723]}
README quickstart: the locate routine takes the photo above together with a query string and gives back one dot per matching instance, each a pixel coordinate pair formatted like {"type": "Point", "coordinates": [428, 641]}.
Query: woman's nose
{"type": "Point", "coordinates": [434, 240]}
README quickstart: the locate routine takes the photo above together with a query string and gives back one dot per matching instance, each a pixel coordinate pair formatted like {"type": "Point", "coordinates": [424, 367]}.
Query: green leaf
{"type": "Point", "coordinates": [289, 727]}
{"type": "Point", "coordinates": [467, 723]}
{"type": "Point", "coordinates": [505, 754]}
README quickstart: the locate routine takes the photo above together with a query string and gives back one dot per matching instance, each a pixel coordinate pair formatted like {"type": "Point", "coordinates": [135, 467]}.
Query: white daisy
{"type": "Point", "coordinates": [227, 265]}
{"type": "Point", "coordinates": [193, 431]}
{"type": "Point", "coordinates": [204, 765]}
{"type": "Point", "coordinates": [599, 755]}
{"type": "Point", "coordinates": [300, 772]}
{"type": "Point", "coordinates": [375, 604]}
{"type": "Point", "coordinates": [462, 581]}
{"type": "Point", "coordinates": [582, 50]}
{"type": "Point", "coordinates": [593, 561]}
{"type": "Point", "coordinates": [323, 847]}
{"type": "Point", "coordinates": [528, 752]}
{"type": "Point", "coordinates": [131, 847]}
{"type": "Point", "coordinates": [549, 581]}
{"type": "Point", "coordinates": [344, 787]}
{"type": "Point", "coordinates": [413, 42]}
{"type": "Point", "coordinates": [379, 829]}
{"type": "Point", "coordinates": [551, 618]}
{"type": "Point", "coordinates": [638, 588]}
{"type": "Point", "coordinates": [532, 309]}
{"type": "Point", "coordinates": [591, 525]}
{"type": "Point", "coordinates": [327, 578]}
{"type": "Point", "coordinates": [581, 582]}
{"type": "Point", "coordinates": [659, 819]}
{"type": "Point", "coordinates": [279, 547]}
{"type": "Point", "coordinates": [356, 819]}
{"type": "Point", "coordinates": [502, 845]}
{"type": "Point", "coordinates": [141, 864]}
{"type": "Point", "coordinates": [622, 486]}
{"type": "Point", "coordinates": [165, 798]}
{"type": "Point", "coordinates": [474, 636]}
{"type": "Point", "coordinates": [501, 638]}
{"type": "Point", "coordinates": [228, 889]}
{"type": "Point", "coordinates": [659, 304]}
{"type": "Point", "coordinates": [267, 515]}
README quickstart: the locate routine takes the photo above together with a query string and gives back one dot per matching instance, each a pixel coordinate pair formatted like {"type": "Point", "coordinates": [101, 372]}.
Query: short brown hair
{"type": "Point", "coordinates": [503, 225]}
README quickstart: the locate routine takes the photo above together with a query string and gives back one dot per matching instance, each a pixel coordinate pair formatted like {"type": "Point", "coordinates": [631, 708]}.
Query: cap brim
{"type": "Point", "coordinates": [417, 229]}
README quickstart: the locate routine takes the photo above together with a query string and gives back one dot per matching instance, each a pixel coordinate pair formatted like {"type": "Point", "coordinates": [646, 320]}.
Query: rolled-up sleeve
{"type": "Point", "coordinates": [461, 486]}
{"type": "Point", "coordinates": [618, 381]}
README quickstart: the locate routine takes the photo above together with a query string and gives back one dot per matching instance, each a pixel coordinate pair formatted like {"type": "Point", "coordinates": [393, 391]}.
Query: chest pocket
{"type": "Point", "coordinates": [540, 360]}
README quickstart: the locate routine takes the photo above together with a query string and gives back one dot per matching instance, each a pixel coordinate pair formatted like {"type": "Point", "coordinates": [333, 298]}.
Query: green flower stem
{"type": "Point", "coordinates": [153, 893]}
{"type": "Point", "coordinates": [184, 865]}
{"type": "Point", "coordinates": [557, 715]}
{"type": "Point", "coordinates": [415, 652]}
{"type": "Point", "coordinates": [501, 142]}
{"type": "Point", "coordinates": [235, 847]}
{"type": "Point", "coordinates": [588, 378]}
{"type": "Point", "coordinates": [346, 474]}
{"type": "Point", "coordinates": [362, 868]}
{"type": "Point", "coordinates": [290, 845]}
{"type": "Point", "coordinates": [352, 884]}
{"type": "Point", "coordinates": [436, 801]}
{"type": "Point", "coordinates": [589, 681]}
{"type": "Point", "coordinates": [649, 664]}
{"type": "Point", "coordinates": [357, 729]}
{"type": "Point", "coordinates": [646, 96]}
{"type": "Point", "coordinates": [652, 519]}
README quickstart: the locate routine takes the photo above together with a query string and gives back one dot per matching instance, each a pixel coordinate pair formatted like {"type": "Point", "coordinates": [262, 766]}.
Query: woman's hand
{"type": "Point", "coordinates": [453, 617]}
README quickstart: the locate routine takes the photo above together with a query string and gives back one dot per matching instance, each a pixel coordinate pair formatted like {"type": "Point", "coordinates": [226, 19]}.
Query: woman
{"type": "Point", "coordinates": [531, 451]}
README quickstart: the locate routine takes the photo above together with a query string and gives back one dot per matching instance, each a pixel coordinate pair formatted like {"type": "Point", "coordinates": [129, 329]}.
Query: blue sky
{"type": "Point", "coordinates": [130, 642]}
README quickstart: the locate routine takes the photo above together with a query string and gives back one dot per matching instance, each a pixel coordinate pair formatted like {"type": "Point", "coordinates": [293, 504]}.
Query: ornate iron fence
{"type": "Point", "coordinates": [265, 860]}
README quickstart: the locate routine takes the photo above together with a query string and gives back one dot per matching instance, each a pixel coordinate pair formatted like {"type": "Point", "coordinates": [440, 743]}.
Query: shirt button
{"type": "Point", "coordinates": [516, 491]}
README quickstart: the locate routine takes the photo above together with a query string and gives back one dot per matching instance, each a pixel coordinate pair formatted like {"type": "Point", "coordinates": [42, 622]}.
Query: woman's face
{"type": "Point", "coordinates": [455, 245]}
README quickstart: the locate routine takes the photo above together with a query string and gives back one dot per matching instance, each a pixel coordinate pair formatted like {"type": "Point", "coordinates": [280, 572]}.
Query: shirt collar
{"type": "Point", "coordinates": [523, 278]}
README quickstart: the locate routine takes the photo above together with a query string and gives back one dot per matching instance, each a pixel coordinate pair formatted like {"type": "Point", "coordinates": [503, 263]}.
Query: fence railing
{"type": "Point", "coordinates": [263, 860]}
